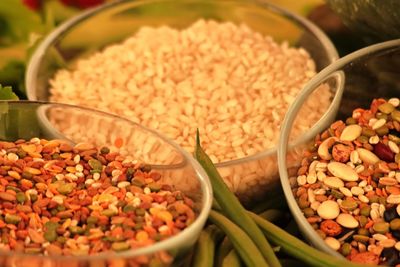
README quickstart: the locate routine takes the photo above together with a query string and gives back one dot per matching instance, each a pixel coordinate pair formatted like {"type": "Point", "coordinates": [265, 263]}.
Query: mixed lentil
{"type": "Point", "coordinates": [348, 185]}
{"type": "Point", "coordinates": [59, 199]}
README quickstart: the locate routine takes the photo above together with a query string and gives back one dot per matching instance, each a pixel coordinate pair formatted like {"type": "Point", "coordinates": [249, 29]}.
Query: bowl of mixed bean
{"type": "Point", "coordinates": [118, 195]}
{"type": "Point", "coordinates": [344, 191]}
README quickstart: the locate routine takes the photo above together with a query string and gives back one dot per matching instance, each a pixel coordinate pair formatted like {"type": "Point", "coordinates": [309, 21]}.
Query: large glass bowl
{"type": "Point", "coordinates": [26, 119]}
{"type": "Point", "coordinates": [372, 72]}
{"type": "Point", "coordinates": [249, 177]}
{"type": "Point", "coordinates": [360, 16]}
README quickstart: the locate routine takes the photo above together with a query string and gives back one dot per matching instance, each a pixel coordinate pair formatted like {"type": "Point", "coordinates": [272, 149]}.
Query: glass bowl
{"type": "Point", "coordinates": [368, 73]}
{"type": "Point", "coordinates": [359, 17]}
{"type": "Point", "coordinates": [249, 177]}
{"type": "Point", "coordinates": [29, 119]}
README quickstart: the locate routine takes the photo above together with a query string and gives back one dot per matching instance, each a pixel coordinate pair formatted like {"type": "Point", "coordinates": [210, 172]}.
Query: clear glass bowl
{"type": "Point", "coordinates": [248, 177]}
{"type": "Point", "coordinates": [28, 119]}
{"type": "Point", "coordinates": [357, 79]}
{"type": "Point", "coordinates": [359, 17]}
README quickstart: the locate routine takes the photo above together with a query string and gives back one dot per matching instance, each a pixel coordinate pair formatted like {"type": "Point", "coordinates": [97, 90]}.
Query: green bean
{"type": "Point", "coordinates": [297, 248]}
{"type": "Point", "coordinates": [243, 244]}
{"type": "Point", "coordinates": [272, 215]}
{"type": "Point", "coordinates": [223, 249]}
{"type": "Point", "coordinates": [205, 247]}
{"type": "Point", "coordinates": [232, 207]}
{"type": "Point", "coordinates": [231, 260]}
{"type": "Point", "coordinates": [215, 205]}
{"type": "Point", "coordinates": [292, 263]}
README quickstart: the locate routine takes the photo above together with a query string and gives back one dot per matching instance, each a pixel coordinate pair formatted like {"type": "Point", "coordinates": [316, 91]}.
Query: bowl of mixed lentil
{"type": "Point", "coordinates": [344, 191]}
{"type": "Point", "coordinates": [118, 195]}
{"type": "Point", "coordinates": [229, 68]}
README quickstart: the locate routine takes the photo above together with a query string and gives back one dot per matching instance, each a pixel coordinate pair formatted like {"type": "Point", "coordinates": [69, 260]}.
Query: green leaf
{"type": "Point", "coordinates": [60, 12]}
{"type": "Point", "coordinates": [18, 21]}
{"type": "Point", "coordinates": [16, 52]}
{"type": "Point", "coordinates": [6, 93]}
{"type": "Point", "coordinates": [12, 74]}
{"type": "Point", "coordinates": [21, 30]}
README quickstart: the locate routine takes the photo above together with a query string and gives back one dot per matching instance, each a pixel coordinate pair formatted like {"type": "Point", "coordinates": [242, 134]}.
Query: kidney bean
{"type": "Point", "coordinates": [383, 152]}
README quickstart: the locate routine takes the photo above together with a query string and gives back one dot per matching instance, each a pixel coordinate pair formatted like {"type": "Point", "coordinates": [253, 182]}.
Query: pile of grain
{"type": "Point", "coordinates": [229, 81]}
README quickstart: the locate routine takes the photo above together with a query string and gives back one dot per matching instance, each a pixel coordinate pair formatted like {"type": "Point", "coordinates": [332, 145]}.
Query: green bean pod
{"type": "Point", "coordinates": [222, 251]}
{"type": "Point", "coordinates": [292, 263]}
{"type": "Point", "coordinates": [205, 247]}
{"type": "Point", "coordinates": [272, 215]}
{"type": "Point", "coordinates": [248, 251]}
{"type": "Point", "coordinates": [231, 260]}
{"type": "Point", "coordinates": [231, 206]}
{"type": "Point", "coordinates": [297, 248]}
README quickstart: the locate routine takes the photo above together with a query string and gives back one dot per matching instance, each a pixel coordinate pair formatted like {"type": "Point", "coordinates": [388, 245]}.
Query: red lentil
{"type": "Point", "coordinates": [59, 199]}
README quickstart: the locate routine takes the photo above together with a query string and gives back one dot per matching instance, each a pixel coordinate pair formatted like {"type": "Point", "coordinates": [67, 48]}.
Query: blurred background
{"type": "Point", "coordinates": [23, 24]}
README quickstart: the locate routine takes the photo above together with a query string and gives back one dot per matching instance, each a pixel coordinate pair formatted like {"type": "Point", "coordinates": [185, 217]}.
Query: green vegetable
{"type": "Point", "coordinates": [21, 29]}
{"type": "Point", "coordinates": [12, 73]}
{"type": "Point", "coordinates": [232, 207]}
{"type": "Point", "coordinates": [231, 260]}
{"type": "Point", "coordinates": [205, 247]}
{"type": "Point", "coordinates": [297, 248]}
{"type": "Point", "coordinates": [223, 250]}
{"type": "Point", "coordinates": [243, 244]}
{"type": "Point", "coordinates": [292, 263]}
{"type": "Point", "coordinates": [17, 120]}
{"type": "Point", "coordinates": [18, 22]}
{"type": "Point", "coordinates": [6, 93]}
{"type": "Point", "coordinates": [272, 215]}
{"type": "Point", "coordinates": [20, 26]}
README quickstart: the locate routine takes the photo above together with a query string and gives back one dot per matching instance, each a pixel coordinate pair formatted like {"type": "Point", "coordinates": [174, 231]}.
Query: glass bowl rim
{"type": "Point", "coordinates": [287, 124]}
{"type": "Point", "coordinates": [169, 243]}
{"type": "Point", "coordinates": [31, 73]}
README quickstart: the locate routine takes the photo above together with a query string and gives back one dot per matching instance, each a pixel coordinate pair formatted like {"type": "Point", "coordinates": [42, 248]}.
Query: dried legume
{"type": "Point", "coordinates": [362, 179]}
{"type": "Point", "coordinates": [47, 207]}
